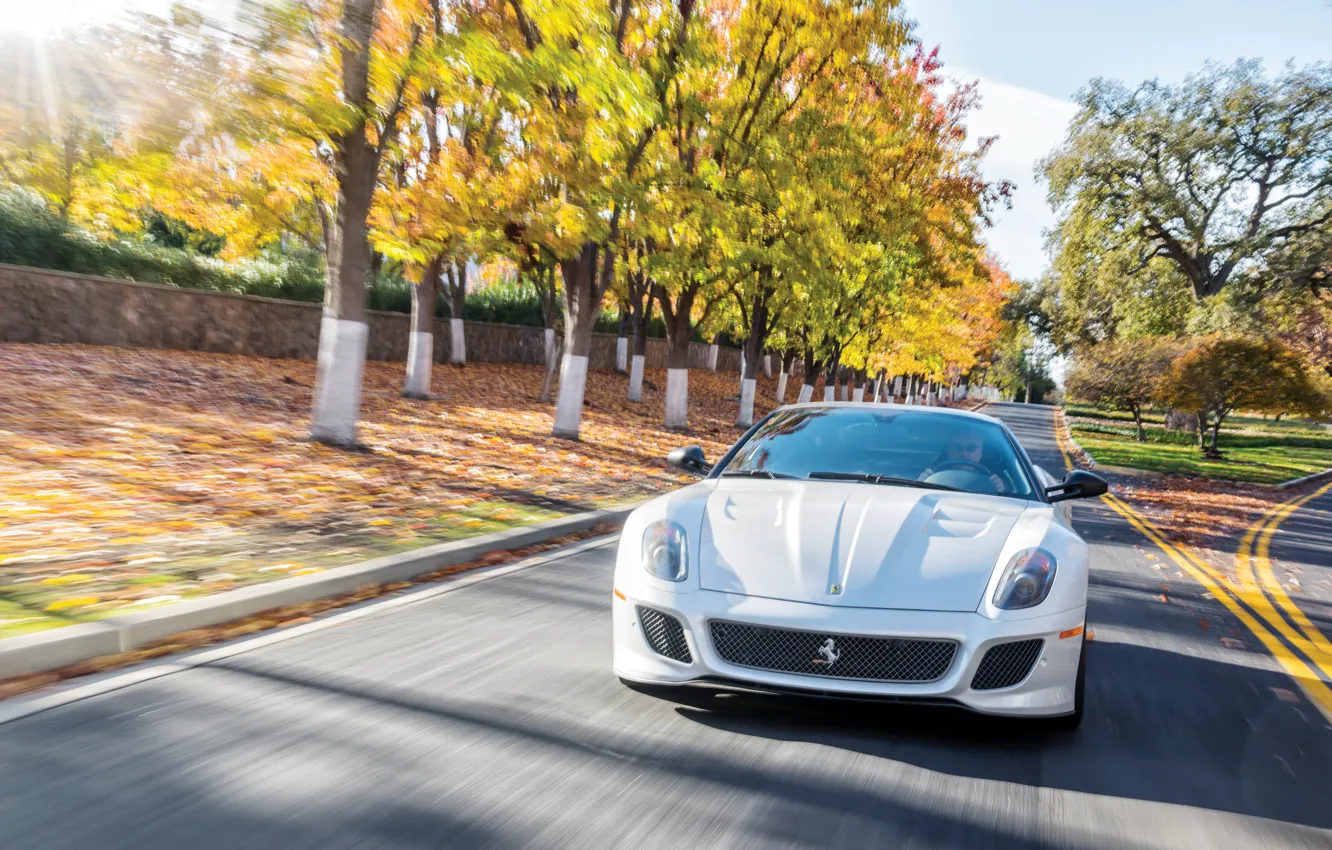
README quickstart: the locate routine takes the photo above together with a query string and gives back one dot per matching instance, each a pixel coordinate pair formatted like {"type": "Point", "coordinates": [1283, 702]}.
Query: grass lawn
{"type": "Point", "coordinates": [131, 478]}
{"type": "Point", "coordinates": [1234, 422]}
{"type": "Point", "coordinates": [1262, 458]}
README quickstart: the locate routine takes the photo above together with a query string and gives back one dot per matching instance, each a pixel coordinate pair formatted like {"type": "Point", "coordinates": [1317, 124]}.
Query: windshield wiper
{"type": "Point", "coordinates": [754, 473]}
{"type": "Point", "coordinates": [871, 478]}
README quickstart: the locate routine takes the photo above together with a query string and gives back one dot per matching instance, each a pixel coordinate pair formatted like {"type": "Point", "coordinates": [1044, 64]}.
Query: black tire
{"type": "Point", "coordinates": [1070, 722]}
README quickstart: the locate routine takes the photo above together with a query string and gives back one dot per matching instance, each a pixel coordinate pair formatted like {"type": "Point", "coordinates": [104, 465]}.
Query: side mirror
{"type": "Point", "coordinates": [1077, 485]}
{"type": "Point", "coordinates": [690, 459]}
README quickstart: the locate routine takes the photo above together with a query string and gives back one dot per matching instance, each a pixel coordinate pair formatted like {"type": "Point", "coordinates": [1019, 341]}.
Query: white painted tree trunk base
{"type": "Point", "coordinates": [781, 388]}
{"type": "Point", "coordinates": [806, 393]}
{"type": "Point", "coordinates": [337, 392]}
{"type": "Point", "coordinates": [897, 386]}
{"type": "Point", "coordinates": [712, 357]}
{"type": "Point", "coordinates": [457, 343]}
{"type": "Point", "coordinates": [621, 354]}
{"type": "Point", "coordinates": [420, 357]}
{"type": "Point", "coordinates": [747, 388]}
{"type": "Point", "coordinates": [829, 393]}
{"type": "Point", "coordinates": [767, 365]}
{"type": "Point", "coordinates": [550, 342]}
{"type": "Point", "coordinates": [677, 399]}
{"type": "Point", "coordinates": [858, 394]}
{"type": "Point", "coordinates": [636, 377]}
{"type": "Point", "coordinates": [569, 403]}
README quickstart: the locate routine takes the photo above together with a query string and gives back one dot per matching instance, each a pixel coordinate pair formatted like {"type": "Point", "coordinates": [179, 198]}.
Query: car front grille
{"type": "Point", "coordinates": [664, 634]}
{"type": "Point", "coordinates": [878, 659]}
{"type": "Point", "coordinates": [1007, 664]}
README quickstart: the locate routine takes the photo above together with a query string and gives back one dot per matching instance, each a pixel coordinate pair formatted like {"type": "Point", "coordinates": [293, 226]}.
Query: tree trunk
{"type": "Point", "coordinates": [812, 368]}
{"type": "Point", "coordinates": [457, 288]}
{"type": "Point", "coordinates": [830, 380]}
{"type": "Point", "coordinates": [677, 379]}
{"type": "Point", "coordinates": [421, 341]}
{"type": "Point", "coordinates": [584, 280]}
{"type": "Point", "coordinates": [787, 362]}
{"type": "Point", "coordinates": [1137, 420]}
{"type": "Point", "coordinates": [677, 317]}
{"type": "Point", "coordinates": [551, 361]}
{"type": "Point", "coordinates": [622, 342]}
{"type": "Point", "coordinates": [642, 316]}
{"type": "Point", "coordinates": [343, 332]}
{"type": "Point", "coordinates": [548, 293]}
{"type": "Point", "coordinates": [858, 391]}
{"type": "Point", "coordinates": [753, 350]}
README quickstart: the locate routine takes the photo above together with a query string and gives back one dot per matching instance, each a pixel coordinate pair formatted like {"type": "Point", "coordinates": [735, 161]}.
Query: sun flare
{"type": "Point", "coordinates": [48, 17]}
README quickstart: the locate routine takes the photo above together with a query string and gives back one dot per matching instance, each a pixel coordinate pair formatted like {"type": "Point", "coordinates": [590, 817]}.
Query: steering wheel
{"type": "Point", "coordinates": [963, 463]}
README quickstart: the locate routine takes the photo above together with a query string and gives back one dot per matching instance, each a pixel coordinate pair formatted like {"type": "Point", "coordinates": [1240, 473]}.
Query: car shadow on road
{"type": "Point", "coordinates": [1160, 726]}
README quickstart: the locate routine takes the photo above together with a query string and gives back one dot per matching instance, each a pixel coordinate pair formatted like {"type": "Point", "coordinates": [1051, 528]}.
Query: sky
{"type": "Point", "coordinates": [1030, 58]}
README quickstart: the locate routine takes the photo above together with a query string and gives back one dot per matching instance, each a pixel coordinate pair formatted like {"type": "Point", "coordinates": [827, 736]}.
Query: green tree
{"type": "Point", "coordinates": [1168, 191]}
{"type": "Point", "coordinates": [1219, 376]}
{"type": "Point", "coordinates": [1122, 375]}
{"type": "Point", "coordinates": [327, 85]}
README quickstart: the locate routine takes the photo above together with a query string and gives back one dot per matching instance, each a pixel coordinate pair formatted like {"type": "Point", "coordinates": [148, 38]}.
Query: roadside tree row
{"type": "Point", "coordinates": [795, 174]}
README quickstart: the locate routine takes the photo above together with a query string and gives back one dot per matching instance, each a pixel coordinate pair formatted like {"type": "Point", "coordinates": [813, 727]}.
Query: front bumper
{"type": "Point", "coordinates": [1047, 691]}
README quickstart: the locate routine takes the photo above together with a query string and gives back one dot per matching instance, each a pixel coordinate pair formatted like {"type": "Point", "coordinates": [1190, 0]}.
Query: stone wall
{"type": "Point", "coordinates": [43, 306]}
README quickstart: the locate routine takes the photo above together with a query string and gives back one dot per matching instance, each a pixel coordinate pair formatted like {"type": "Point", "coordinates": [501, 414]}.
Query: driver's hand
{"type": "Point", "coordinates": [998, 483]}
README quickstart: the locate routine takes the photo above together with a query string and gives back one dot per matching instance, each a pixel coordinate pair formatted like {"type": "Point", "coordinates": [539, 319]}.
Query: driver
{"type": "Point", "coordinates": [966, 446]}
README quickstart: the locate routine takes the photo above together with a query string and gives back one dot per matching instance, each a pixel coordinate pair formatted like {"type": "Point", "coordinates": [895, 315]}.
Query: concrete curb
{"type": "Point", "coordinates": [1315, 478]}
{"type": "Point", "coordinates": [1079, 452]}
{"type": "Point", "coordinates": [1129, 471]}
{"type": "Point", "coordinates": [50, 650]}
{"type": "Point", "coordinates": [96, 684]}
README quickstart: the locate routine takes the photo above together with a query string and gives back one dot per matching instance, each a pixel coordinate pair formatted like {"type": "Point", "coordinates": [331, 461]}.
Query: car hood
{"type": "Point", "coordinates": [853, 544]}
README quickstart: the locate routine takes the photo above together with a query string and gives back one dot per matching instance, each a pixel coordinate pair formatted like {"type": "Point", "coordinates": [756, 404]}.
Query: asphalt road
{"type": "Point", "coordinates": [488, 717]}
{"type": "Point", "coordinates": [1301, 552]}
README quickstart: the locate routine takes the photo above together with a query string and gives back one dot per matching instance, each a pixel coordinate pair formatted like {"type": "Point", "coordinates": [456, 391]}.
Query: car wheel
{"type": "Point", "coordinates": [1069, 722]}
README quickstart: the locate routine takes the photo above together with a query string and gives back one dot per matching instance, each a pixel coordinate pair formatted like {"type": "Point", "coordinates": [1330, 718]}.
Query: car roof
{"type": "Point", "coordinates": [915, 408]}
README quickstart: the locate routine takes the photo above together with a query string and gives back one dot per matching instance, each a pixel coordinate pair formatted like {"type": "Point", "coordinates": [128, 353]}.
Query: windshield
{"type": "Point", "coordinates": [938, 450]}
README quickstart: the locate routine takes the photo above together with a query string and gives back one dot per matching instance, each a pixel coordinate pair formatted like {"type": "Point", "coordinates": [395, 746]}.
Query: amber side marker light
{"type": "Point", "coordinates": [1068, 634]}
{"type": "Point", "coordinates": [618, 593]}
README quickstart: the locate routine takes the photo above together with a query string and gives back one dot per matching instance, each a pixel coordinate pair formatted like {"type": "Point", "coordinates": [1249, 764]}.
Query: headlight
{"type": "Point", "coordinates": [1026, 580]}
{"type": "Point", "coordinates": [665, 553]}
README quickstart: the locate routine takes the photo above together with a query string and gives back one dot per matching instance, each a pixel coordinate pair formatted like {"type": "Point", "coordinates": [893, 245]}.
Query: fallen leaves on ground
{"type": "Point", "coordinates": [1210, 517]}
{"type": "Point", "coordinates": [132, 477]}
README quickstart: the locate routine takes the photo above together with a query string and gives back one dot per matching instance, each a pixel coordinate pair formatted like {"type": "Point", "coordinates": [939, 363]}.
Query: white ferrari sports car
{"type": "Point", "coordinates": [863, 551]}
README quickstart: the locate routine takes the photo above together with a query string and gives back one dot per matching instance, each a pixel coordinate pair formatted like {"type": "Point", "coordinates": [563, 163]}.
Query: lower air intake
{"type": "Point", "coordinates": [664, 634]}
{"type": "Point", "coordinates": [1006, 665]}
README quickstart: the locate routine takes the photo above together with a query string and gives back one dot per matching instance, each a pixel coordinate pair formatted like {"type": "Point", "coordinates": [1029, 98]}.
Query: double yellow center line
{"type": "Point", "coordinates": [1253, 566]}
